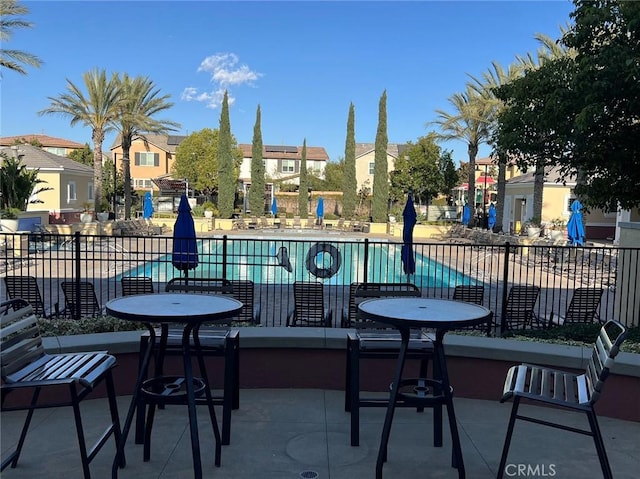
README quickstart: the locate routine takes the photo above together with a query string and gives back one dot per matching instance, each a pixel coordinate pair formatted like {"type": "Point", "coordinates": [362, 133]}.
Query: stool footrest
{"type": "Point", "coordinates": [169, 389]}
{"type": "Point", "coordinates": [421, 392]}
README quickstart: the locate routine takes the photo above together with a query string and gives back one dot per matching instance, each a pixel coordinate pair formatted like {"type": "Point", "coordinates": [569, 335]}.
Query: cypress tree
{"type": "Point", "coordinates": [380, 202]}
{"type": "Point", "coordinates": [226, 181]}
{"type": "Point", "coordinates": [349, 190]}
{"type": "Point", "coordinates": [303, 203]}
{"type": "Point", "coordinates": [256, 192]}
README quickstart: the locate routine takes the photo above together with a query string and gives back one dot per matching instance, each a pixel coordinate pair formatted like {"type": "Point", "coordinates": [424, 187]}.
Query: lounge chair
{"type": "Point", "coordinates": [519, 312]}
{"type": "Point", "coordinates": [566, 390]}
{"type": "Point", "coordinates": [471, 294]}
{"type": "Point", "coordinates": [243, 291]}
{"type": "Point", "coordinates": [26, 287]}
{"type": "Point", "coordinates": [309, 309]}
{"type": "Point", "coordinates": [583, 307]}
{"type": "Point", "coordinates": [81, 297]}
{"type": "Point", "coordinates": [28, 368]}
{"type": "Point", "coordinates": [376, 341]}
{"type": "Point", "coordinates": [296, 222]}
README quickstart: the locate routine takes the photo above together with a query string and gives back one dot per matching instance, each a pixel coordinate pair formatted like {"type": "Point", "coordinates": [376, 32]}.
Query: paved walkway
{"type": "Point", "coordinates": [279, 434]}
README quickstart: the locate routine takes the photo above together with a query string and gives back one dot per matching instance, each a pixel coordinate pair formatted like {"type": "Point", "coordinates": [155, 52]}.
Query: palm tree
{"type": "Point", "coordinates": [14, 59]}
{"type": "Point", "coordinates": [469, 122]}
{"type": "Point", "coordinates": [495, 77]}
{"type": "Point", "coordinates": [18, 184]}
{"type": "Point", "coordinates": [140, 100]}
{"type": "Point", "coordinates": [97, 110]}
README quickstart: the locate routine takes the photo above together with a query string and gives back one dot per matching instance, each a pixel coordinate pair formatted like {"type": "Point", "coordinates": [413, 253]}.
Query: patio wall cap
{"type": "Point", "coordinates": [497, 349]}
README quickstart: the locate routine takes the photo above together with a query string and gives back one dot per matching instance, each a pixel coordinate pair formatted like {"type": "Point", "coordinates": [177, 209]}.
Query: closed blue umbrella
{"type": "Point", "coordinates": [147, 206]}
{"type": "Point", "coordinates": [575, 229]}
{"type": "Point", "coordinates": [466, 214]}
{"type": "Point", "coordinates": [410, 218]}
{"type": "Point", "coordinates": [491, 218]}
{"type": "Point", "coordinates": [185, 249]}
{"type": "Point", "coordinates": [320, 210]}
{"type": "Point", "coordinates": [274, 207]}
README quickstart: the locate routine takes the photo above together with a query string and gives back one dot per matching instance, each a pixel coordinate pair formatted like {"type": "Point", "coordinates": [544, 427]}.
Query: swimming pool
{"type": "Point", "coordinates": [283, 261]}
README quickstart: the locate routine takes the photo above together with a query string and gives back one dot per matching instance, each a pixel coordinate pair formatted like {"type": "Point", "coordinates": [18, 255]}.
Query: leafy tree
{"type": "Point", "coordinates": [380, 202]}
{"type": "Point", "coordinates": [97, 110]}
{"type": "Point", "coordinates": [107, 181]}
{"type": "Point", "coordinates": [33, 141]}
{"type": "Point", "coordinates": [417, 170]}
{"type": "Point", "coordinates": [463, 172]}
{"type": "Point", "coordinates": [256, 191]}
{"type": "Point", "coordinates": [14, 60]}
{"type": "Point", "coordinates": [84, 156]}
{"type": "Point", "coordinates": [303, 189]}
{"type": "Point", "coordinates": [197, 161]}
{"type": "Point", "coordinates": [18, 183]}
{"type": "Point", "coordinates": [350, 184]}
{"type": "Point", "coordinates": [140, 101]}
{"type": "Point", "coordinates": [469, 123]}
{"type": "Point", "coordinates": [227, 178]}
{"type": "Point", "coordinates": [448, 172]}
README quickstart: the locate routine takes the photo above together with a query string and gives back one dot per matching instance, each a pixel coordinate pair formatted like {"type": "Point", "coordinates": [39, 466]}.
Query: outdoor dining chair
{"type": "Point", "coordinates": [132, 285]}
{"type": "Point", "coordinates": [80, 296]}
{"type": "Point", "coordinates": [308, 306]}
{"type": "Point", "coordinates": [567, 390]}
{"type": "Point", "coordinates": [26, 287]}
{"type": "Point", "coordinates": [583, 307]}
{"type": "Point", "coordinates": [372, 340]}
{"type": "Point", "coordinates": [218, 341]}
{"type": "Point", "coordinates": [27, 367]}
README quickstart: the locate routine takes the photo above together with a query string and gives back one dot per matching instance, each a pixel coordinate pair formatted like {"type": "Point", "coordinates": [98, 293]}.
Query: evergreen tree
{"type": "Point", "coordinates": [303, 190]}
{"type": "Point", "coordinates": [349, 191]}
{"type": "Point", "coordinates": [227, 180]}
{"type": "Point", "coordinates": [380, 202]}
{"type": "Point", "coordinates": [256, 192]}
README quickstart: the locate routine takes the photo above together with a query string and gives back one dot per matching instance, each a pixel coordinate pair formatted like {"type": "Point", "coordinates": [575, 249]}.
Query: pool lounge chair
{"type": "Point", "coordinates": [26, 287]}
{"type": "Point", "coordinates": [583, 308]}
{"type": "Point", "coordinates": [519, 312]}
{"type": "Point", "coordinates": [87, 301]}
{"type": "Point", "coordinates": [309, 309]}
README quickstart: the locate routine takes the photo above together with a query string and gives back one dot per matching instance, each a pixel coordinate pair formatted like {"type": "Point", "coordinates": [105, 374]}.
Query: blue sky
{"type": "Point", "coordinates": [302, 62]}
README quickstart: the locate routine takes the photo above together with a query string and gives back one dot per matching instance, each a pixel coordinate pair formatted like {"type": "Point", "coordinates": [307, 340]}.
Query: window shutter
{"type": "Point", "coordinates": [279, 164]}
{"type": "Point", "coordinates": [296, 168]}
{"type": "Point", "coordinates": [156, 159]}
{"type": "Point", "coordinates": [136, 160]}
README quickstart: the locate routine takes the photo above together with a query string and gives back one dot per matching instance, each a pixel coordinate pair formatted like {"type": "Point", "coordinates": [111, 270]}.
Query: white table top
{"type": "Point", "coordinates": [174, 307]}
{"type": "Point", "coordinates": [424, 312]}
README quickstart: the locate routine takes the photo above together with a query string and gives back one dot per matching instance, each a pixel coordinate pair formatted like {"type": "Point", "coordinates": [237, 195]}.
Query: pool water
{"type": "Point", "coordinates": [282, 261]}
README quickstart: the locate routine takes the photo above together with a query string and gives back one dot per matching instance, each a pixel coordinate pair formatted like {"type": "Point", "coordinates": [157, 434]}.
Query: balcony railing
{"type": "Point", "coordinates": [273, 264]}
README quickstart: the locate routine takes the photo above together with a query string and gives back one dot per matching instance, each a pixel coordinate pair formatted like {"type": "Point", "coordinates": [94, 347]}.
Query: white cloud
{"type": "Point", "coordinates": [224, 71]}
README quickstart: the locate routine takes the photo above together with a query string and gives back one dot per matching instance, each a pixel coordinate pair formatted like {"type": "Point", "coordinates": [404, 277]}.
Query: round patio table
{"type": "Point", "coordinates": [440, 315]}
{"type": "Point", "coordinates": [189, 310]}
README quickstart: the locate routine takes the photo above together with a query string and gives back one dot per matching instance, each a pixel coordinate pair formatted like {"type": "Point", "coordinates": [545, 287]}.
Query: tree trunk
{"type": "Point", "coordinates": [502, 189]}
{"type": "Point", "coordinates": [473, 152]}
{"type": "Point", "coordinates": [98, 138]}
{"type": "Point", "coordinates": [126, 173]}
{"type": "Point", "coordinates": [538, 187]}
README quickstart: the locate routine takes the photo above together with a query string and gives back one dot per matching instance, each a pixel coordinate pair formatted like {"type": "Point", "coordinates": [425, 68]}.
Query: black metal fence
{"type": "Point", "coordinates": [274, 263]}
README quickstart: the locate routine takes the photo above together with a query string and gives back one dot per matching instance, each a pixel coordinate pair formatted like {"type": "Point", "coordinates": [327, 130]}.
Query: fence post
{"type": "Point", "coordinates": [224, 257]}
{"type": "Point", "coordinates": [366, 259]}
{"type": "Point", "coordinates": [505, 284]}
{"type": "Point", "coordinates": [77, 306]}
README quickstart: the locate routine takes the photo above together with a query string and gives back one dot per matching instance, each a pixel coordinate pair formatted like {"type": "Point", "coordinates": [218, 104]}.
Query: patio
{"type": "Point", "coordinates": [293, 433]}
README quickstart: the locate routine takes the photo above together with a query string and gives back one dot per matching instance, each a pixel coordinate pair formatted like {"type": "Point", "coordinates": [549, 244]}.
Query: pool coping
{"type": "Point", "coordinates": [465, 346]}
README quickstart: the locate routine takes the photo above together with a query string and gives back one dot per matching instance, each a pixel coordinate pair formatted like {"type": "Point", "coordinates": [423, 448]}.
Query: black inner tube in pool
{"type": "Point", "coordinates": [336, 260]}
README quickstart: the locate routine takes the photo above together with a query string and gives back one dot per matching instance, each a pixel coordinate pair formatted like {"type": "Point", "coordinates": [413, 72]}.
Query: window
{"type": "Point", "coordinates": [288, 166]}
{"type": "Point", "coordinates": [142, 183]}
{"type": "Point", "coordinates": [56, 151]}
{"type": "Point", "coordinates": [71, 192]}
{"type": "Point", "coordinates": [570, 200]}
{"type": "Point", "coordinates": [371, 167]}
{"type": "Point", "coordinates": [147, 158]}
{"type": "Point", "coordinates": [90, 191]}
{"type": "Point", "coordinates": [317, 166]}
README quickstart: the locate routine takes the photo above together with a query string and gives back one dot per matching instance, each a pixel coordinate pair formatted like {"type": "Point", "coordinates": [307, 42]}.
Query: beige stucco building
{"type": "Point", "coordinates": [365, 161]}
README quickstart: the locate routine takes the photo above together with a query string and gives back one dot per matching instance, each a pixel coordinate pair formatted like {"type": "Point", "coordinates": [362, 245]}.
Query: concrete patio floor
{"type": "Point", "coordinates": [293, 433]}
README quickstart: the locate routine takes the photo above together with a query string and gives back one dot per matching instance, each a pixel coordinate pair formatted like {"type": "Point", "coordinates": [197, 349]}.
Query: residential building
{"type": "Point", "coordinates": [154, 158]}
{"type": "Point", "coordinates": [365, 161]}
{"type": "Point", "coordinates": [57, 146]}
{"type": "Point", "coordinates": [70, 182]}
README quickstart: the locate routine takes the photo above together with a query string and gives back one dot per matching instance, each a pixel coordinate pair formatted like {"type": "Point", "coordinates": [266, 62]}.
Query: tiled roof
{"type": "Point", "coordinates": [167, 143]}
{"type": "Point", "coordinates": [33, 157]}
{"type": "Point", "coordinates": [393, 149]}
{"type": "Point", "coordinates": [44, 140]}
{"type": "Point", "coordinates": [313, 153]}
{"type": "Point", "coordinates": [552, 175]}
